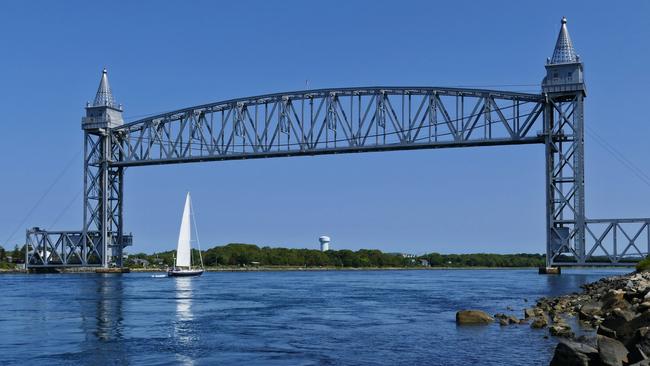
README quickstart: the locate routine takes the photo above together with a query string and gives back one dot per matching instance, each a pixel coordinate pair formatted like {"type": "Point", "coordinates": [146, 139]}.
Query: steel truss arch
{"type": "Point", "coordinates": [332, 121]}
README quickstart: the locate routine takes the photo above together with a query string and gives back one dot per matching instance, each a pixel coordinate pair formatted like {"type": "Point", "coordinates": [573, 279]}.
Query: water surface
{"type": "Point", "coordinates": [275, 318]}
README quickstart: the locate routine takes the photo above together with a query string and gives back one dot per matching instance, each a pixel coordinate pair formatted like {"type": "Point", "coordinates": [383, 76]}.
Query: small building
{"type": "Point", "coordinates": [140, 262]}
{"type": "Point", "coordinates": [424, 262]}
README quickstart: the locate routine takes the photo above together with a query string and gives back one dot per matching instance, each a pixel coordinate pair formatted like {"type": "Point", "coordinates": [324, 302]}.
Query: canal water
{"type": "Point", "coordinates": [275, 318]}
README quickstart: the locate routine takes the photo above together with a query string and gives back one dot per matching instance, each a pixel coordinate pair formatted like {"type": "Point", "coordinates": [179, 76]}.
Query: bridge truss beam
{"type": "Point", "coordinates": [347, 120]}
{"type": "Point", "coordinates": [332, 121]}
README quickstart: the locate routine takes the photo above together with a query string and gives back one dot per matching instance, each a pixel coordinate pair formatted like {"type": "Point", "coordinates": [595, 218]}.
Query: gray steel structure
{"type": "Point", "coordinates": [349, 120]}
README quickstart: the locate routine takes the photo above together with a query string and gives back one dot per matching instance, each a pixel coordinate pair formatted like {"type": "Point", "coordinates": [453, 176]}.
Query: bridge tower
{"type": "Point", "coordinates": [103, 238]}
{"type": "Point", "coordinates": [564, 91]}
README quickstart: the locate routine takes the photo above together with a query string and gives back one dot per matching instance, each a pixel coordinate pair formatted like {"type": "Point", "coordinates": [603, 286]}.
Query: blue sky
{"type": "Point", "coordinates": [164, 55]}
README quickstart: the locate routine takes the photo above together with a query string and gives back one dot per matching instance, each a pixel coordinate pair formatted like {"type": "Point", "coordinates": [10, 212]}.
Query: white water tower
{"type": "Point", "coordinates": [324, 243]}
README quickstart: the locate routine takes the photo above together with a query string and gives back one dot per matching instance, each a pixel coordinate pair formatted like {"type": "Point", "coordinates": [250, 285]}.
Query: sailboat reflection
{"type": "Point", "coordinates": [184, 327]}
{"type": "Point", "coordinates": [184, 299]}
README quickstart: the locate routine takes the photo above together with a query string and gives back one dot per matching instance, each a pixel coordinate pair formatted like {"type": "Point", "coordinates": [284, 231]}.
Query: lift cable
{"type": "Point", "coordinates": [65, 209]}
{"type": "Point", "coordinates": [619, 156]}
{"type": "Point", "coordinates": [44, 195]}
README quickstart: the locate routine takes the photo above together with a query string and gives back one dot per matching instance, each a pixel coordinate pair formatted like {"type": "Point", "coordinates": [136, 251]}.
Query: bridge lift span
{"type": "Point", "coordinates": [349, 120]}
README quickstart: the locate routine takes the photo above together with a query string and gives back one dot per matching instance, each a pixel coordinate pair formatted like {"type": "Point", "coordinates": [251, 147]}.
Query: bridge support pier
{"type": "Point", "coordinates": [543, 270]}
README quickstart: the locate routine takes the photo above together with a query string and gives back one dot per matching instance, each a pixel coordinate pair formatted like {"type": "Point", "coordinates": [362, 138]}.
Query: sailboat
{"type": "Point", "coordinates": [183, 261]}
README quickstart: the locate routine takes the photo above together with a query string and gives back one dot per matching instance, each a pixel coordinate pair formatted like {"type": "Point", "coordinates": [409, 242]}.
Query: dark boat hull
{"type": "Point", "coordinates": [184, 273]}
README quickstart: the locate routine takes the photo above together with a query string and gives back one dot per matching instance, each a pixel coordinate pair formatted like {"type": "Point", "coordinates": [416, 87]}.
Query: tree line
{"type": "Point", "coordinates": [237, 254]}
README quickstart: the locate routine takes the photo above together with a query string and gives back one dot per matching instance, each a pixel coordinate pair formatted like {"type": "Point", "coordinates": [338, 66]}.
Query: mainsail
{"type": "Point", "coordinates": [183, 251]}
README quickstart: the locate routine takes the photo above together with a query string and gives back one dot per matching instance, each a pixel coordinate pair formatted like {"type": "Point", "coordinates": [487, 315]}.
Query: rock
{"type": "Point", "coordinates": [465, 317]}
{"type": "Point", "coordinates": [645, 362]}
{"type": "Point", "coordinates": [590, 309]}
{"type": "Point", "coordinates": [603, 330]}
{"type": "Point", "coordinates": [503, 322]}
{"type": "Point", "coordinates": [619, 322]}
{"type": "Point", "coordinates": [626, 328]}
{"type": "Point", "coordinates": [529, 313]}
{"type": "Point", "coordinates": [539, 322]}
{"type": "Point", "coordinates": [568, 353]}
{"type": "Point", "coordinates": [561, 330]}
{"type": "Point", "coordinates": [641, 340]}
{"type": "Point", "coordinates": [644, 306]}
{"type": "Point", "coordinates": [611, 352]}
{"type": "Point", "coordinates": [636, 355]}
{"type": "Point", "coordinates": [512, 319]}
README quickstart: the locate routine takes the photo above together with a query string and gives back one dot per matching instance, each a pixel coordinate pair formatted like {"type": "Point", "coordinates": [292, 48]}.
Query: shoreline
{"type": "Point", "coordinates": [613, 315]}
{"type": "Point", "coordinates": [289, 269]}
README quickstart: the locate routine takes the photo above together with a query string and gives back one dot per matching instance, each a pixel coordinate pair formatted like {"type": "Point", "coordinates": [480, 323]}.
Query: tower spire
{"type": "Point", "coordinates": [103, 112]}
{"type": "Point", "coordinates": [104, 95]}
{"type": "Point", "coordinates": [564, 51]}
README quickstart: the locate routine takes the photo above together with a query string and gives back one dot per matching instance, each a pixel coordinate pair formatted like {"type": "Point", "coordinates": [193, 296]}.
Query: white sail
{"type": "Point", "coordinates": [183, 251]}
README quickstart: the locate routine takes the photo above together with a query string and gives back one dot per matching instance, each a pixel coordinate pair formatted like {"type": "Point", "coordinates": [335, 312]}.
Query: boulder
{"type": "Point", "coordinates": [561, 330]}
{"type": "Point", "coordinates": [589, 309]}
{"type": "Point", "coordinates": [641, 363]}
{"type": "Point", "coordinates": [636, 355]}
{"type": "Point", "coordinates": [568, 353]}
{"type": "Point", "coordinates": [626, 325]}
{"type": "Point", "coordinates": [539, 322]}
{"type": "Point", "coordinates": [611, 352]}
{"type": "Point", "coordinates": [641, 340]}
{"type": "Point", "coordinates": [529, 313]}
{"type": "Point", "coordinates": [603, 330]}
{"type": "Point", "coordinates": [465, 317]}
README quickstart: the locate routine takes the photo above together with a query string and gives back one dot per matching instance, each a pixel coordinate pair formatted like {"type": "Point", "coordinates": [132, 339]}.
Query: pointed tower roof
{"type": "Point", "coordinates": [564, 51]}
{"type": "Point", "coordinates": [104, 96]}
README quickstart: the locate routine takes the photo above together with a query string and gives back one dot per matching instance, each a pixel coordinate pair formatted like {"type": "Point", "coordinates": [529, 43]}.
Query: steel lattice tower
{"type": "Point", "coordinates": [564, 89]}
{"type": "Point", "coordinates": [103, 238]}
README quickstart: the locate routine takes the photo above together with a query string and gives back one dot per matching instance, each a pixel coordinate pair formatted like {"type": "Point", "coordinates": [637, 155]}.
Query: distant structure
{"type": "Point", "coordinates": [324, 243]}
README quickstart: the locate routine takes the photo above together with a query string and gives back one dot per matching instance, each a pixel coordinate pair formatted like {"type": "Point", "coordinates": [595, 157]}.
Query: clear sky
{"type": "Point", "coordinates": [165, 55]}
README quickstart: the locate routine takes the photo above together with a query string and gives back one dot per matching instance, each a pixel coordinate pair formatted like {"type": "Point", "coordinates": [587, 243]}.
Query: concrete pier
{"type": "Point", "coordinates": [550, 270]}
{"type": "Point", "coordinates": [112, 270]}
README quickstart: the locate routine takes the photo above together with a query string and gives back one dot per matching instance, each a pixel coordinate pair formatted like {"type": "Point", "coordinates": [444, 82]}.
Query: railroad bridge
{"type": "Point", "coordinates": [349, 120]}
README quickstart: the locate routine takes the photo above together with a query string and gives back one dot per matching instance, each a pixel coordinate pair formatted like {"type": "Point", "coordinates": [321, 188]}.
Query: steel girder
{"type": "Point", "coordinates": [62, 248]}
{"type": "Point", "coordinates": [331, 121]}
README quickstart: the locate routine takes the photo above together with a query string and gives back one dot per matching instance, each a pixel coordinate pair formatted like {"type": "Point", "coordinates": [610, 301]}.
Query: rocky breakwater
{"type": "Point", "coordinates": [617, 308]}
